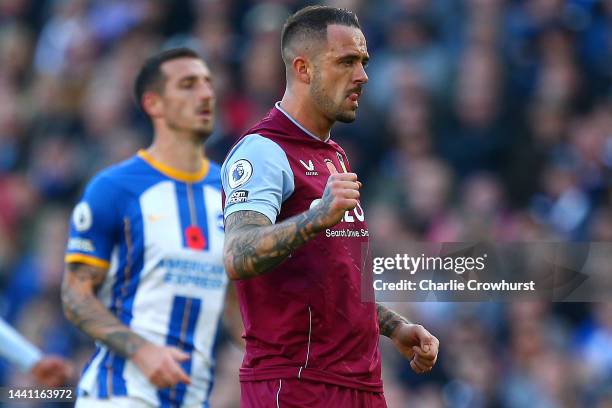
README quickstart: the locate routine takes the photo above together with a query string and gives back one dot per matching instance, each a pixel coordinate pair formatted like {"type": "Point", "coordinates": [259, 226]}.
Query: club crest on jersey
{"type": "Point", "coordinates": [310, 170]}
{"type": "Point", "coordinates": [239, 173]}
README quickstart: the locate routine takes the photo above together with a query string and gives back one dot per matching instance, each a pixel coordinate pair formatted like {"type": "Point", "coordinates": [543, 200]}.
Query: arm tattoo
{"type": "Point", "coordinates": [86, 312]}
{"type": "Point", "coordinates": [253, 245]}
{"type": "Point", "coordinates": [388, 320]}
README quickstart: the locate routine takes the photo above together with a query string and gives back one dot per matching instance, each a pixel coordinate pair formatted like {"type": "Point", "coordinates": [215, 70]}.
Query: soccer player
{"type": "Point", "coordinates": [144, 274]}
{"type": "Point", "coordinates": [51, 371]}
{"type": "Point", "coordinates": [295, 232]}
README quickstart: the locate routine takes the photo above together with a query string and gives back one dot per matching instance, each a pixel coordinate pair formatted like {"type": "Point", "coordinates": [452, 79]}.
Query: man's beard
{"type": "Point", "coordinates": [199, 133]}
{"type": "Point", "coordinates": [203, 133]}
{"type": "Point", "coordinates": [327, 105]}
{"type": "Point", "coordinates": [346, 117]}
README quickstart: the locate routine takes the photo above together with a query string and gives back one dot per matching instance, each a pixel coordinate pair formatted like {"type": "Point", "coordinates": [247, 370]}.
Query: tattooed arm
{"type": "Point", "coordinates": [413, 341]}
{"type": "Point", "coordinates": [253, 245]}
{"type": "Point", "coordinates": [388, 320]}
{"type": "Point", "coordinates": [160, 364]}
{"type": "Point", "coordinates": [86, 312]}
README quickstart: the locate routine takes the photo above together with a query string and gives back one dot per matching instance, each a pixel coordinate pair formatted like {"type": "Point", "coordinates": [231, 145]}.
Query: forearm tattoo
{"type": "Point", "coordinates": [388, 320]}
{"type": "Point", "coordinates": [253, 245]}
{"type": "Point", "coordinates": [86, 312]}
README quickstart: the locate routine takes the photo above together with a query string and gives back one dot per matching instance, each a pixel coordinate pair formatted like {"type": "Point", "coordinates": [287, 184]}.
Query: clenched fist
{"type": "Point", "coordinates": [341, 194]}
{"type": "Point", "coordinates": [418, 345]}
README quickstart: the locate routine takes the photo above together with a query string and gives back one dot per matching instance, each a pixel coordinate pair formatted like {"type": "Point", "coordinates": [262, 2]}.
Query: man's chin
{"type": "Point", "coordinates": [201, 133]}
{"type": "Point", "coordinates": [346, 117]}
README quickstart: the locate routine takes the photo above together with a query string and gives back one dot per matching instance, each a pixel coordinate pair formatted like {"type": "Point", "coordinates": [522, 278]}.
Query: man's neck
{"type": "Point", "coordinates": [305, 113]}
{"type": "Point", "coordinates": [177, 152]}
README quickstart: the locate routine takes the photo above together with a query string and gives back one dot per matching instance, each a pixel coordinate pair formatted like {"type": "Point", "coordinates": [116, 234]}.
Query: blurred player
{"type": "Point", "coordinates": [295, 232]}
{"type": "Point", "coordinates": [51, 371]}
{"type": "Point", "coordinates": [147, 239]}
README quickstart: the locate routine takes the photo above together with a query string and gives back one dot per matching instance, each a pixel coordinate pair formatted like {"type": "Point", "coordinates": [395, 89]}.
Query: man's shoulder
{"type": "Point", "coordinates": [269, 122]}
{"type": "Point", "coordinates": [254, 145]}
{"type": "Point", "coordinates": [214, 168]}
{"type": "Point", "coordinates": [128, 166]}
{"type": "Point", "coordinates": [120, 176]}
{"type": "Point", "coordinates": [213, 177]}
{"type": "Point", "coordinates": [272, 126]}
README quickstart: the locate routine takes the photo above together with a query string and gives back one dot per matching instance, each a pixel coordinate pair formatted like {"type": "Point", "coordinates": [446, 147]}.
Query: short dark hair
{"type": "Point", "coordinates": [150, 76]}
{"type": "Point", "coordinates": [312, 22]}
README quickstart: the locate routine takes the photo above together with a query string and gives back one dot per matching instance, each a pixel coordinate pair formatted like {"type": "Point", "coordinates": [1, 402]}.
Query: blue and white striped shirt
{"type": "Point", "coordinates": [159, 231]}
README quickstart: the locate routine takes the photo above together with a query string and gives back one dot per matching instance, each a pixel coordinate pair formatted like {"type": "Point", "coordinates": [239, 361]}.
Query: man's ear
{"type": "Point", "coordinates": [302, 69]}
{"type": "Point", "coordinates": [152, 103]}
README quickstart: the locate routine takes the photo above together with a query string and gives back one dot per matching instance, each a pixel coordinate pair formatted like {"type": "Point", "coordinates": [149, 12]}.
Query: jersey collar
{"type": "Point", "coordinates": [171, 172]}
{"type": "Point", "coordinates": [296, 123]}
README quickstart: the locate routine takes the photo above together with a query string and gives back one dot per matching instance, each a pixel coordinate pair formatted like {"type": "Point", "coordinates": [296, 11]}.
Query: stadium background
{"type": "Point", "coordinates": [482, 119]}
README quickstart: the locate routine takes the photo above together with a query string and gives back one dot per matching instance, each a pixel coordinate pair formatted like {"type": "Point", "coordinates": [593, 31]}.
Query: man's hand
{"type": "Point", "coordinates": [417, 345]}
{"type": "Point", "coordinates": [52, 371]}
{"type": "Point", "coordinates": [161, 365]}
{"type": "Point", "coordinates": [341, 194]}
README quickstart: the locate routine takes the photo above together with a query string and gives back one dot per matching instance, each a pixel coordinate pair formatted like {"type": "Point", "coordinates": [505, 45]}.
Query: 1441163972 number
{"type": "Point", "coordinates": [39, 394]}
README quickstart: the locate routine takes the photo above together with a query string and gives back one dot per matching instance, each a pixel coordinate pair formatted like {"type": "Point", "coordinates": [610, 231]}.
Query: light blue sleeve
{"type": "Point", "coordinates": [16, 349]}
{"type": "Point", "coordinates": [256, 176]}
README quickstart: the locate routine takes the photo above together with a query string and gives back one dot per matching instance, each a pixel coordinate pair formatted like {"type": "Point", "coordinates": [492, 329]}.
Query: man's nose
{"type": "Point", "coordinates": [361, 77]}
{"type": "Point", "coordinates": [206, 91]}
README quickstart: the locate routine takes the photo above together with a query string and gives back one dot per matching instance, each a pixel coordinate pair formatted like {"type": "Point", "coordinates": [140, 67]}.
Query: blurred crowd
{"type": "Point", "coordinates": [482, 119]}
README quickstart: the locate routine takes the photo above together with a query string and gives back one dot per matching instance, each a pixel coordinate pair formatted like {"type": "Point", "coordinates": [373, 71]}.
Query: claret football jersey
{"type": "Point", "coordinates": [159, 232]}
{"type": "Point", "coordinates": [305, 318]}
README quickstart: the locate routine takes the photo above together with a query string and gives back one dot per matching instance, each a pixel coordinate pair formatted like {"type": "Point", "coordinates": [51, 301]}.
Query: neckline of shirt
{"type": "Point", "coordinates": [296, 123]}
{"type": "Point", "coordinates": [173, 173]}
